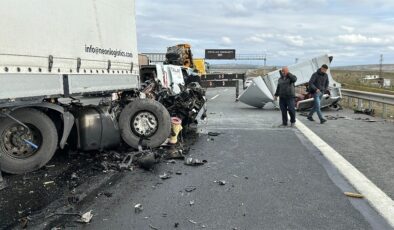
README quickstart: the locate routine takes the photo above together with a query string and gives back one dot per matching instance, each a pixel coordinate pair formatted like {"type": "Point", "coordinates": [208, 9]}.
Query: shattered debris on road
{"type": "Point", "coordinates": [353, 195]}
{"type": "Point", "coordinates": [165, 176]}
{"type": "Point", "coordinates": [194, 162]}
{"type": "Point", "coordinates": [86, 217]}
{"type": "Point", "coordinates": [190, 188]}
{"type": "Point", "coordinates": [70, 170]}
{"type": "Point", "coordinates": [221, 182]}
{"type": "Point", "coordinates": [138, 208]}
{"type": "Point", "coordinates": [213, 134]}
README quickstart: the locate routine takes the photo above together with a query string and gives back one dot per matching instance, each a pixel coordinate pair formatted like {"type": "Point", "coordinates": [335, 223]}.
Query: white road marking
{"type": "Point", "coordinates": [215, 97]}
{"type": "Point", "coordinates": [379, 200]}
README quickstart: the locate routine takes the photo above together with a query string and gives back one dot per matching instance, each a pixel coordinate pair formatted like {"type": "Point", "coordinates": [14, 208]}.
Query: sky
{"type": "Point", "coordinates": [353, 31]}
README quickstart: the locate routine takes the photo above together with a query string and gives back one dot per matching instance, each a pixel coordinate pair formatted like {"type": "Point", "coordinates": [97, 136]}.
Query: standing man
{"type": "Point", "coordinates": [318, 84]}
{"type": "Point", "coordinates": [286, 93]}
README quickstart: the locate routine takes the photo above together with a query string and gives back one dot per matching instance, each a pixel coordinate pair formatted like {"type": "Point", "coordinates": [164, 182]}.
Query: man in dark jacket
{"type": "Point", "coordinates": [318, 84]}
{"type": "Point", "coordinates": [286, 93]}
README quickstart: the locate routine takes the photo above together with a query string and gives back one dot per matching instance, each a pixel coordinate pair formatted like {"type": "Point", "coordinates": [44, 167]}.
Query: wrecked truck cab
{"type": "Point", "coordinates": [169, 88]}
{"type": "Point", "coordinates": [262, 89]}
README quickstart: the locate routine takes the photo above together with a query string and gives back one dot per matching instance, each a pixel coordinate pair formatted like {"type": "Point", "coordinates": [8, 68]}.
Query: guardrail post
{"type": "Point", "coordinates": [236, 89]}
{"type": "Point", "coordinates": [369, 104]}
{"type": "Point", "coordinates": [384, 114]}
{"type": "Point", "coordinates": [359, 103]}
{"type": "Point", "coordinates": [348, 101]}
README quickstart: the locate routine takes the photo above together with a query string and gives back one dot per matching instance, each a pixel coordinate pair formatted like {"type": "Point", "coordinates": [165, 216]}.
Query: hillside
{"type": "Point", "coordinates": [372, 67]}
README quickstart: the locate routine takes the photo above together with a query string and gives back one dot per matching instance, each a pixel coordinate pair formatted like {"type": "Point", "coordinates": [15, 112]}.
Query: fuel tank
{"type": "Point", "coordinates": [97, 128]}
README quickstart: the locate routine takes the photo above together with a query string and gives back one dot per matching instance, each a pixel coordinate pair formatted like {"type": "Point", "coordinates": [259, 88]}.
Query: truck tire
{"type": "Point", "coordinates": [147, 119]}
{"type": "Point", "coordinates": [16, 155]}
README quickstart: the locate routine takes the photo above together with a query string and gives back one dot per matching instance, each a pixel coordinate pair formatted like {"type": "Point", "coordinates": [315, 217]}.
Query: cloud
{"type": "Point", "coordinates": [289, 5]}
{"type": "Point", "coordinates": [301, 29]}
{"type": "Point", "coordinates": [170, 38]}
{"type": "Point", "coordinates": [289, 40]}
{"type": "Point", "coordinates": [226, 40]}
{"type": "Point", "coordinates": [358, 39]}
{"type": "Point", "coordinates": [348, 29]}
{"type": "Point", "coordinates": [255, 39]}
{"type": "Point", "coordinates": [292, 40]}
{"type": "Point", "coordinates": [235, 9]}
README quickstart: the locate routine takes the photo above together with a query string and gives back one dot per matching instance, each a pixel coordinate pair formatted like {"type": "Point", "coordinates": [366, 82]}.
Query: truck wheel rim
{"type": "Point", "coordinates": [13, 141]}
{"type": "Point", "coordinates": [144, 124]}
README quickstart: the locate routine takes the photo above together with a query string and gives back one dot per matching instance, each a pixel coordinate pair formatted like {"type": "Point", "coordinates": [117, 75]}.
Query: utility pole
{"type": "Point", "coordinates": [381, 70]}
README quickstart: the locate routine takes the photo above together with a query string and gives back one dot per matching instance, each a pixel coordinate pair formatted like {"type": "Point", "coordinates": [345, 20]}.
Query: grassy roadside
{"type": "Point", "coordinates": [351, 79]}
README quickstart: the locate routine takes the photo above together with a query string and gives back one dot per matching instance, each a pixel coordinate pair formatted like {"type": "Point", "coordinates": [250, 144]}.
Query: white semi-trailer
{"type": "Point", "coordinates": [68, 76]}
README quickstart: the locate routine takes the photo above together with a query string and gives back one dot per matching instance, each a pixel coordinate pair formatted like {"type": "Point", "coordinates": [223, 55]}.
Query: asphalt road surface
{"type": "Point", "coordinates": [367, 144]}
{"type": "Point", "coordinates": [274, 179]}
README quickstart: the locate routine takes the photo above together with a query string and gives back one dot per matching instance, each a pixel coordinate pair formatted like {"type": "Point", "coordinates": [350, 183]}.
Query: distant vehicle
{"type": "Point", "coordinates": [71, 79]}
{"type": "Point", "coordinates": [262, 90]}
{"type": "Point", "coordinates": [181, 55]}
{"type": "Point", "coordinates": [200, 65]}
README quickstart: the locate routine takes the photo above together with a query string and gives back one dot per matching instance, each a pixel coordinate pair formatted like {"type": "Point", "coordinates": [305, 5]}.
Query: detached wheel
{"type": "Point", "coordinates": [147, 119]}
{"type": "Point", "coordinates": [24, 150]}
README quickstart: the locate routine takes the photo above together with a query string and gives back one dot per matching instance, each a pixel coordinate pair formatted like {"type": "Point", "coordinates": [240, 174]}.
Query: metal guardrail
{"type": "Point", "coordinates": [385, 99]}
{"type": "Point", "coordinates": [376, 97]}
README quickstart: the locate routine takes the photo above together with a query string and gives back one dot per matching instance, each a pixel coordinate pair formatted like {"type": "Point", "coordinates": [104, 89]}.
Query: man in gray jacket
{"type": "Point", "coordinates": [286, 93]}
{"type": "Point", "coordinates": [318, 84]}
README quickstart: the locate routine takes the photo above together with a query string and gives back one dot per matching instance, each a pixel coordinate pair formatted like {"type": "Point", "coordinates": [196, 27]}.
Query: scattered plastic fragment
{"type": "Point", "coordinates": [138, 208]}
{"type": "Point", "coordinates": [192, 221]}
{"type": "Point", "coordinates": [153, 227]}
{"type": "Point", "coordinates": [370, 112]}
{"type": "Point", "coordinates": [194, 162]}
{"type": "Point", "coordinates": [354, 195]}
{"type": "Point", "coordinates": [74, 176]}
{"type": "Point", "coordinates": [191, 202]}
{"type": "Point", "coordinates": [174, 153]}
{"type": "Point", "coordinates": [49, 182]}
{"type": "Point", "coordinates": [220, 182]}
{"type": "Point", "coordinates": [86, 217]}
{"type": "Point", "coordinates": [190, 188]}
{"type": "Point", "coordinates": [176, 225]}
{"type": "Point", "coordinates": [126, 162]}
{"type": "Point", "coordinates": [213, 134]}
{"type": "Point", "coordinates": [164, 176]}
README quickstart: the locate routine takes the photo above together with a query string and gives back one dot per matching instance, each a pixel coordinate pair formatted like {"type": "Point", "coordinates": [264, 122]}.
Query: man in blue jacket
{"type": "Point", "coordinates": [318, 84]}
{"type": "Point", "coordinates": [286, 93]}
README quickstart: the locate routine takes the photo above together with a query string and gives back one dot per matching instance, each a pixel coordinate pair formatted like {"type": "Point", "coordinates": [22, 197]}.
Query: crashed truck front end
{"type": "Point", "coordinates": [262, 89]}
{"type": "Point", "coordinates": [166, 84]}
